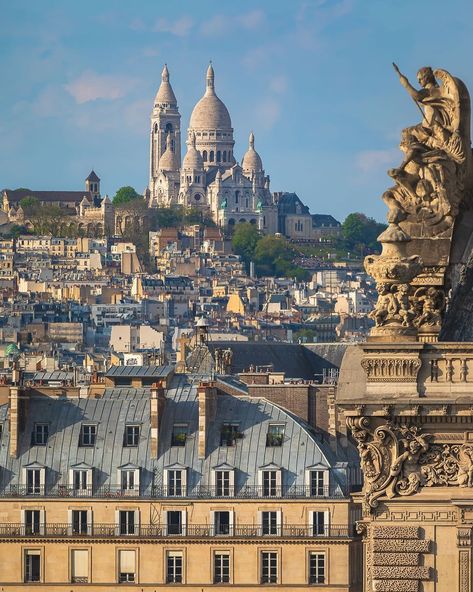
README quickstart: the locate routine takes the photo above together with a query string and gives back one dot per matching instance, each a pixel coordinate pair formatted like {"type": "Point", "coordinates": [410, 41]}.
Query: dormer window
{"type": "Point", "coordinates": [275, 435]}
{"type": "Point", "coordinates": [129, 479]}
{"type": "Point", "coordinates": [224, 480]}
{"type": "Point", "coordinates": [88, 435]}
{"type": "Point", "coordinates": [318, 480]}
{"type": "Point", "coordinates": [270, 481]}
{"type": "Point", "coordinates": [179, 434]}
{"type": "Point", "coordinates": [80, 479]}
{"type": "Point", "coordinates": [175, 480]}
{"type": "Point", "coordinates": [40, 434]}
{"type": "Point", "coordinates": [229, 433]}
{"type": "Point", "coordinates": [132, 436]}
{"type": "Point", "coordinates": [34, 477]}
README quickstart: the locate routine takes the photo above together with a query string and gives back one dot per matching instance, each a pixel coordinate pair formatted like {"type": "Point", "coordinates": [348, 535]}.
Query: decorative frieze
{"type": "Point", "coordinates": [400, 545]}
{"type": "Point", "coordinates": [401, 572]}
{"type": "Point", "coordinates": [396, 586]}
{"type": "Point", "coordinates": [396, 558]}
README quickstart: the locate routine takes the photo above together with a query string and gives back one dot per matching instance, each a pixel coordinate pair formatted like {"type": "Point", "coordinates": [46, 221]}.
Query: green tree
{"type": "Point", "coordinates": [125, 195]}
{"type": "Point", "coordinates": [244, 241]}
{"type": "Point", "coordinates": [29, 204]}
{"type": "Point", "coordinates": [360, 232]}
{"type": "Point", "coordinates": [48, 219]}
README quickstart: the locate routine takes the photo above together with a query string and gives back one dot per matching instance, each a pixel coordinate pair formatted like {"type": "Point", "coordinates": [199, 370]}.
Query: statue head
{"type": "Point", "coordinates": [426, 76]}
{"type": "Point", "coordinates": [414, 446]}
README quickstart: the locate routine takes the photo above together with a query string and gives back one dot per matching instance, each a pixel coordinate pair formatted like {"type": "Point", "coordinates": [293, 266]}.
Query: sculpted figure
{"type": "Point", "coordinates": [430, 303]}
{"type": "Point", "coordinates": [465, 467]}
{"type": "Point", "coordinates": [406, 466]}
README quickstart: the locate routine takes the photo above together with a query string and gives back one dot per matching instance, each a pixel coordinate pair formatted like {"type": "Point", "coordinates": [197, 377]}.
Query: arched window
{"type": "Point", "coordinates": [169, 128]}
{"type": "Point", "coordinates": [237, 196]}
{"type": "Point", "coordinates": [224, 156]}
{"type": "Point", "coordinates": [218, 156]}
{"type": "Point", "coordinates": [155, 128]}
{"type": "Point", "coordinates": [204, 155]}
{"type": "Point", "coordinates": [211, 156]}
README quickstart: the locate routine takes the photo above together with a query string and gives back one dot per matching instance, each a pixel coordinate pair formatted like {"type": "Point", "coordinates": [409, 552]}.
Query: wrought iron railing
{"type": "Point", "coordinates": [159, 531]}
{"type": "Point", "coordinates": [160, 491]}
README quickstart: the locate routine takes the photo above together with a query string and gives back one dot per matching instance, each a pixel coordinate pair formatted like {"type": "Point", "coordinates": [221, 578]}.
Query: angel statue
{"type": "Point", "coordinates": [437, 163]}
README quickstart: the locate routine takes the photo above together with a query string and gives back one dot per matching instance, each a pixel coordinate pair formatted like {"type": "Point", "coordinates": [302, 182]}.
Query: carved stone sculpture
{"type": "Point", "coordinates": [430, 186]}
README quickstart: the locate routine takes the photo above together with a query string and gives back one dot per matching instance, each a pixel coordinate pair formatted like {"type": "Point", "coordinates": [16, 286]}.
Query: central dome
{"type": "Point", "coordinates": [210, 112]}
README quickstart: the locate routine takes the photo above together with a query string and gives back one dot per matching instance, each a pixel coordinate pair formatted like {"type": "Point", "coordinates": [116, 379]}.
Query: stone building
{"type": "Point", "coordinates": [209, 177]}
{"type": "Point", "coordinates": [173, 484]}
{"type": "Point", "coordinates": [85, 210]}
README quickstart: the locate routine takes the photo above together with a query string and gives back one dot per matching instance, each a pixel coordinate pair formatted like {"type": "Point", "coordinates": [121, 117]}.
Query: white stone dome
{"type": "Point", "coordinates": [210, 112]}
{"type": "Point", "coordinates": [168, 160]}
{"type": "Point", "coordinates": [252, 161]}
{"type": "Point", "coordinates": [165, 94]}
{"type": "Point", "coordinates": [193, 159]}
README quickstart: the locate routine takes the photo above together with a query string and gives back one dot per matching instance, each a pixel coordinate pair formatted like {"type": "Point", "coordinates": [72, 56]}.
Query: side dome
{"type": "Point", "coordinates": [192, 159]}
{"type": "Point", "coordinates": [168, 160]}
{"type": "Point", "coordinates": [210, 112]}
{"type": "Point", "coordinates": [252, 161]}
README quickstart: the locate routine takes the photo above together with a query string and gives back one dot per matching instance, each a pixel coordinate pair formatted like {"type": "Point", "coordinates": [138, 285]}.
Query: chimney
{"type": "Point", "coordinates": [207, 393]}
{"type": "Point", "coordinates": [156, 408]}
{"type": "Point", "coordinates": [17, 417]}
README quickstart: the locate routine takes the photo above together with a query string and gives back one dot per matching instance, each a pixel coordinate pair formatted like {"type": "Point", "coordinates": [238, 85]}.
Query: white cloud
{"type": "Point", "coordinates": [369, 161]}
{"type": "Point", "coordinates": [278, 84]}
{"type": "Point", "coordinates": [221, 24]}
{"type": "Point", "coordinates": [90, 86]}
{"type": "Point", "coordinates": [268, 111]}
{"type": "Point", "coordinates": [179, 27]}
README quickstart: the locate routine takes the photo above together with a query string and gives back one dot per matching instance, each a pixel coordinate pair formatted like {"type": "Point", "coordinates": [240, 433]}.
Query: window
{"type": "Point", "coordinates": [179, 434]}
{"type": "Point", "coordinates": [88, 435]}
{"type": "Point", "coordinates": [40, 434]}
{"type": "Point", "coordinates": [79, 480]}
{"type": "Point", "coordinates": [218, 156]}
{"type": "Point", "coordinates": [32, 565]}
{"type": "Point", "coordinates": [319, 483]}
{"type": "Point", "coordinates": [79, 566]}
{"type": "Point", "coordinates": [211, 158]}
{"type": "Point", "coordinates": [33, 481]}
{"type": "Point", "coordinates": [126, 566]}
{"type": "Point", "coordinates": [175, 522]}
{"type": "Point", "coordinates": [129, 480]}
{"type": "Point", "coordinates": [237, 196]}
{"type": "Point", "coordinates": [270, 483]}
{"type": "Point", "coordinates": [221, 568]}
{"type": "Point", "coordinates": [223, 485]}
{"type": "Point", "coordinates": [316, 568]}
{"type": "Point", "coordinates": [127, 521]}
{"type": "Point", "coordinates": [269, 567]}
{"type": "Point", "coordinates": [174, 568]}
{"type": "Point", "coordinates": [224, 156]}
{"type": "Point", "coordinates": [132, 435]}
{"type": "Point", "coordinates": [275, 435]}
{"type": "Point", "coordinates": [204, 155]}
{"type": "Point", "coordinates": [174, 484]}
{"type": "Point", "coordinates": [229, 434]}
{"type": "Point", "coordinates": [320, 523]}
{"type": "Point", "coordinates": [79, 521]}
{"type": "Point", "coordinates": [222, 523]}
{"type": "Point", "coordinates": [32, 521]}
{"type": "Point", "coordinates": [270, 523]}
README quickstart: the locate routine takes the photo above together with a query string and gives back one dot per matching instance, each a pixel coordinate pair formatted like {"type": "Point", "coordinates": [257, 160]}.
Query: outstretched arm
{"type": "Point", "coordinates": [417, 95]}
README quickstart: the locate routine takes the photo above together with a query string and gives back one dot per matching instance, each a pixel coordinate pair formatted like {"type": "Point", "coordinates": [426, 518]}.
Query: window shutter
{"type": "Point", "coordinates": [127, 561]}
{"type": "Point", "coordinates": [231, 520]}
{"type": "Point", "coordinates": [279, 521]}
{"type": "Point", "coordinates": [327, 522]}
{"type": "Point", "coordinates": [42, 522]}
{"type": "Point", "coordinates": [89, 522]}
{"type": "Point", "coordinates": [311, 523]}
{"type": "Point", "coordinates": [326, 483]}
{"type": "Point", "coordinates": [80, 563]}
{"type": "Point", "coordinates": [117, 522]}
{"type": "Point", "coordinates": [184, 522]}
{"type": "Point", "coordinates": [165, 481]}
{"type": "Point", "coordinates": [184, 482]}
{"type": "Point", "coordinates": [232, 482]}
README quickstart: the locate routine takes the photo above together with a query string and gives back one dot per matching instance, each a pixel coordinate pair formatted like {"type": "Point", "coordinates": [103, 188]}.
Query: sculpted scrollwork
{"type": "Point", "coordinates": [399, 460]}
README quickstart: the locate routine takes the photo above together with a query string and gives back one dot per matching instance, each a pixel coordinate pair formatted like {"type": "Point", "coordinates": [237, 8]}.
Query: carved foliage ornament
{"type": "Point", "coordinates": [400, 460]}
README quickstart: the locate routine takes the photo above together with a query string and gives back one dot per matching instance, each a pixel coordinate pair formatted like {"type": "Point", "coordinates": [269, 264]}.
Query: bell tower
{"type": "Point", "coordinates": [165, 122]}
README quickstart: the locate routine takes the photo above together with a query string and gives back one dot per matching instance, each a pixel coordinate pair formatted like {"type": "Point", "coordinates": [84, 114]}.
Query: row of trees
{"type": "Point", "coordinates": [272, 255]}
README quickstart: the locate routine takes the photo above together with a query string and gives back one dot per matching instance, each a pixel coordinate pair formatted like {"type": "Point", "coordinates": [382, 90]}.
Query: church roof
{"type": "Point", "coordinates": [252, 161]}
{"type": "Point", "coordinates": [93, 177]}
{"type": "Point", "coordinates": [165, 93]}
{"type": "Point", "coordinates": [210, 112]}
{"type": "Point", "coordinates": [192, 159]}
{"type": "Point", "coordinates": [290, 203]}
{"type": "Point", "coordinates": [16, 195]}
{"type": "Point", "coordinates": [168, 160]}
{"type": "Point", "coordinates": [324, 220]}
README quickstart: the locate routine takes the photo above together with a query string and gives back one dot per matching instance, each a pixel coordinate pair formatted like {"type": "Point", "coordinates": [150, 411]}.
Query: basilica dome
{"type": "Point", "coordinates": [168, 160]}
{"type": "Point", "coordinates": [210, 112]}
{"type": "Point", "coordinates": [165, 94]}
{"type": "Point", "coordinates": [252, 161]}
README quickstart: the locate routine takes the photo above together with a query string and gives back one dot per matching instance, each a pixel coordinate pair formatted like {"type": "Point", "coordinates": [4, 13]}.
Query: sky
{"type": "Point", "coordinates": [312, 78]}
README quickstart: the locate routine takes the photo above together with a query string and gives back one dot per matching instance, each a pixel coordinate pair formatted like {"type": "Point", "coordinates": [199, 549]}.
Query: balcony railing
{"type": "Point", "coordinates": [163, 531]}
{"type": "Point", "coordinates": [157, 492]}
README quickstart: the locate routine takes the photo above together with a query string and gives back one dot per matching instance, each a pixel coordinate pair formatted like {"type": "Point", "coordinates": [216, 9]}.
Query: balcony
{"type": "Point", "coordinates": [162, 492]}
{"type": "Point", "coordinates": [148, 531]}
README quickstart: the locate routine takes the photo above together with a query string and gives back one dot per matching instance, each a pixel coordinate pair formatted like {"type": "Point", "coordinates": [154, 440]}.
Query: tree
{"type": "Point", "coordinates": [361, 232]}
{"type": "Point", "coordinates": [48, 219]}
{"type": "Point", "coordinates": [274, 255]}
{"type": "Point", "coordinates": [30, 205]}
{"type": "Point", "coordinates": [125, 195]}
{"type": "Point", "coordinates": [244, 241]}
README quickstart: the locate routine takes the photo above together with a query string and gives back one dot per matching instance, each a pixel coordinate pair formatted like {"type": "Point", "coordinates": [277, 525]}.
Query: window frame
{"type": "Point", "coordinates": [269, 578]}
{"type": "Point", "coordinates": [82, 442]}
{"type": "Point", "coordinates": [32, 552]}
{"type": "Point", "coordinates": [220, 578]}
{"type": "Point", "coordinates": [174, 555]}
{"type": "Point", "coordinates": [311, 578]}
{"type": "Point", "coordinates": [134, 441]}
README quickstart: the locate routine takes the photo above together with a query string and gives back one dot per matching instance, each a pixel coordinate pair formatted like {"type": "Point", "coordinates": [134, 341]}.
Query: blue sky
{"type": "Point", "coordinates": [312, 78]}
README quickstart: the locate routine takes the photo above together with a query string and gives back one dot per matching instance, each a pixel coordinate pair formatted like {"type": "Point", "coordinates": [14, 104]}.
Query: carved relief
{"type": "Point", "coordinates": [391, 369]}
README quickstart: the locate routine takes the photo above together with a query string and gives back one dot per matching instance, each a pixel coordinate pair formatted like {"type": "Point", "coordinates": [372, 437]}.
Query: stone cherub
{"type": "Point", "coordinates": [430, 303]}
{"type": "Point", "coordinates": [406, 466]}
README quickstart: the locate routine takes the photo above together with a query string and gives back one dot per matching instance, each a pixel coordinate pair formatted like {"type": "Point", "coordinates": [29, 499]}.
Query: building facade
{"type": "Point", "coordinates": [174, 484]}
